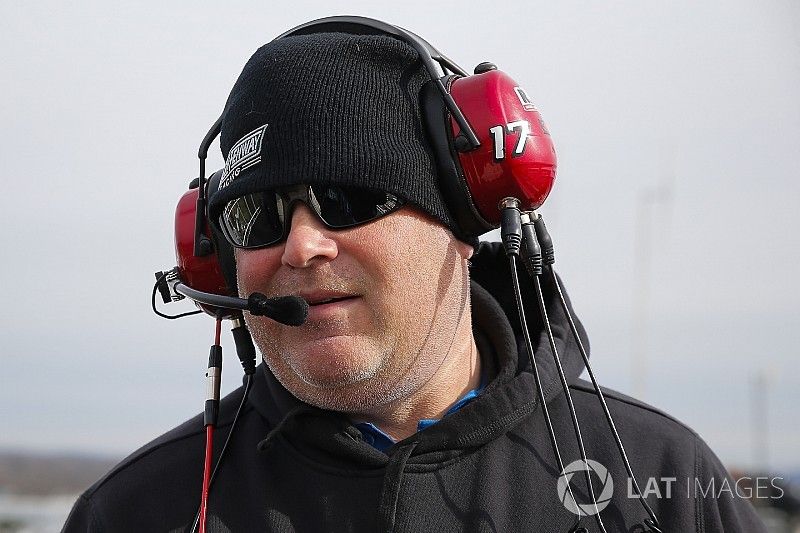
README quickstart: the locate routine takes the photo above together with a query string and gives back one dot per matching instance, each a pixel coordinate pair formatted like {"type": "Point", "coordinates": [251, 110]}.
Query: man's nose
{"type": "Point", "coordinates": [308, 241]}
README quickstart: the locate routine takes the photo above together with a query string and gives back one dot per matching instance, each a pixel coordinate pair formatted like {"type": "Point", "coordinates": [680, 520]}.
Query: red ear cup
{"type": "Point", "coordinates": [516, 156]}
{"type": "Point", "coordinates": [200, 273]}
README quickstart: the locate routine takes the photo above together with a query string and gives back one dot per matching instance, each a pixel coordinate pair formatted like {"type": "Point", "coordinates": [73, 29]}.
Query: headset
{"type": "Point", "coordinates": [488, 139]}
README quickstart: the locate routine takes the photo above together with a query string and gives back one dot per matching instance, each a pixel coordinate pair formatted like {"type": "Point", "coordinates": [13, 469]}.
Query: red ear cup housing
{"type": "Point", "coordinates": [200, 273]}
{"type": "Point", "coordinates": [516, 156]}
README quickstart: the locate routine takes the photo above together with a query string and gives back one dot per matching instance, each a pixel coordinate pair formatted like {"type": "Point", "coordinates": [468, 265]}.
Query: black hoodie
{"type": "Point", "coordinates": [490, 466]}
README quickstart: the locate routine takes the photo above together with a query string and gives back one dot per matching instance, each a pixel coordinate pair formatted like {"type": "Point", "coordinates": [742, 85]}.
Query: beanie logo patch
{"type": "Point", "coordinates": [243, 155]}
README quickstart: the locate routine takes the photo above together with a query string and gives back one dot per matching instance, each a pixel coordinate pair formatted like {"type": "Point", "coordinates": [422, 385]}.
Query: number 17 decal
{"type": "Point", "coordinates": [499, 138]}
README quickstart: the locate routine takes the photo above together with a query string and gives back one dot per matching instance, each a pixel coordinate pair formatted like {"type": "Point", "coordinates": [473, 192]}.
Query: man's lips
{"type": "Point", "coordinates": [319, 298]}
{"type": "Point", "coordinates": [328, 304]}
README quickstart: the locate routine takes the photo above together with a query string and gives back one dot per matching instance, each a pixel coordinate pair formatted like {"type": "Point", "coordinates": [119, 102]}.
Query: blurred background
{"type": "Point", "coordinates": [675, 212]}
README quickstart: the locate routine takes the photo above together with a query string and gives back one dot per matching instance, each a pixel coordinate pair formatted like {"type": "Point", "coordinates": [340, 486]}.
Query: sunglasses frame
{"type": "Point", "coordinates": [289, 196]}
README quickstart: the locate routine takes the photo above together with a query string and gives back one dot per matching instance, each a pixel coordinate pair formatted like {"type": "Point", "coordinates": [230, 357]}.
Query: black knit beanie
{"type": "Point", "coordinates": [330, 108]}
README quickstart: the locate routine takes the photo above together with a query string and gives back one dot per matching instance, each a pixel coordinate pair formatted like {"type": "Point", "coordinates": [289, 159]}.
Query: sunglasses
{"type": "Point", "coordinates": [262, 219]}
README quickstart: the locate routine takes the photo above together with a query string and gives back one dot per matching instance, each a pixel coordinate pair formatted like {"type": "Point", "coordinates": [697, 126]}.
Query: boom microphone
{"type": "Point", "coordinates": [288, 310]}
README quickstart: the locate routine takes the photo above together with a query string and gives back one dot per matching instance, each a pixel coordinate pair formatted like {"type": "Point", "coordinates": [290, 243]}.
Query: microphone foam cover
{"type": "Point", "coordinates": [289, 310]}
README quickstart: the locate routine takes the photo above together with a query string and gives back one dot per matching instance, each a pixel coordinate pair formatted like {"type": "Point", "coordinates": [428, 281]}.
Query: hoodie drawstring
{"type": "Point", "coordinates": [387, 509]}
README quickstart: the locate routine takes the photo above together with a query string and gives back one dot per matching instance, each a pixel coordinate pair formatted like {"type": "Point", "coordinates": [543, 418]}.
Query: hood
{"type": "Point", "coordinates": [490, 270]}
{"type": "Point", "coordinates": [509, 397]}
{"type": "Point", "coordinates": [330, 439]}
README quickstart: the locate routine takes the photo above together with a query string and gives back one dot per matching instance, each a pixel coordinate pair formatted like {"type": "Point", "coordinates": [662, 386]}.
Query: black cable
{"type": "Point", "coordinates": [546, 249]}
{"type": "Point", "coordinates": [537, 378]}
{"type": "Point", "coordinates": [159, 313]}
{"type": "Point", "coordinates": [575, 424]}
{"type": "Point", "coordinates": [654, 524]}
{"type": "Point", "coordinates": [511, 235]}
{"type": "Point", "coordinates": [247, 386]}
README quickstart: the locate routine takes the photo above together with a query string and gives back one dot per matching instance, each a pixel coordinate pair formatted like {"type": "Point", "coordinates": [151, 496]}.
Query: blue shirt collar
{"type": "Point", "coordinates": [378, 439]}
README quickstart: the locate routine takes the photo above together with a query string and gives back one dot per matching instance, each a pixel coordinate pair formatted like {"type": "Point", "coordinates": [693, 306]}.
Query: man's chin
{"type": "Point", "coordinates": [333, 379]}
{"type": "Point", "coordinates": [334, 391]}
{"type": "Point", "coordinates": [334, 362]}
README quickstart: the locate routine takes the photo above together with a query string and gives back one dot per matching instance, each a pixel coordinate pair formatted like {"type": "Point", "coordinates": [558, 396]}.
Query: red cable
{"type": "Point", "coordinates": [206, 476]}
{"type": "Point", "coordinates": [209, 451]}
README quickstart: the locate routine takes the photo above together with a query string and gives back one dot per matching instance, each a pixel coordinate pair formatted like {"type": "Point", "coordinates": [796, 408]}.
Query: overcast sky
{"type": "Point", "coordinates": [676, 125]}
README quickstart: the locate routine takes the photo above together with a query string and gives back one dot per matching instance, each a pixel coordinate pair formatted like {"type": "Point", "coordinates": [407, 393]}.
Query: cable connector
{"type": "Point", "coordinates": [531, 251]}
{"type": "Point", "coordinates": [548, 252]}
{"type": "Point", "coordinates": [244, 346]}
{"type": "Point", "coordinates": [213, 380]}
{"type": "Point", "coordinates": [510, 225]}
{"type": "Point", "coordinates": [166, 281]}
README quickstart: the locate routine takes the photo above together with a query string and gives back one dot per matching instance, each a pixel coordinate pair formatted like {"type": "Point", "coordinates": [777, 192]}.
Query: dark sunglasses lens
{"type": "Point", "coordinates": [341, 207]}
{"type": "Point", "coordinates": [253, 220]}
{"type": "Point", "coordinates": [259, 219]}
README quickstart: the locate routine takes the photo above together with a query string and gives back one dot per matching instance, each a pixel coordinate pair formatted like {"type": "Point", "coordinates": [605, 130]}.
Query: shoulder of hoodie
{"type": "Point", "coordinates": [674, 446]}
{"type": "Point", "coordinates": [630, 409]}
{"type": "Point", "coordinates": [191, 431]}
{"type": "Point", "coordinates": [660, 429]}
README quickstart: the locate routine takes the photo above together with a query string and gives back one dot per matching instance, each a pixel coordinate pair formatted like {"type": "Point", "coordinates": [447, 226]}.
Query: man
{"type": "Point", "coordinates": [406, 401]}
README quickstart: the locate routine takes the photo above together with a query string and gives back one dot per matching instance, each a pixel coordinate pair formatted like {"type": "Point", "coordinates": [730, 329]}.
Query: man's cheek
{"type": "Point", "coordinates": [266, 335]}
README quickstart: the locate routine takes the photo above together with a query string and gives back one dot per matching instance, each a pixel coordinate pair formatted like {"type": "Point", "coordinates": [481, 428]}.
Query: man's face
{"type": "Point", "coordinates": [385, 297]}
